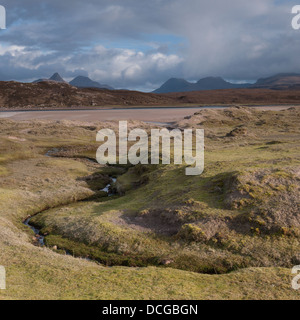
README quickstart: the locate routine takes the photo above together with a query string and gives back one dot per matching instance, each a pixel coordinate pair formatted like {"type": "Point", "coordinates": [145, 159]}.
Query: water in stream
{"type": "Point", "coordinates": [107, 188]}
{"type": "Point", "coordinates": [40, 238]}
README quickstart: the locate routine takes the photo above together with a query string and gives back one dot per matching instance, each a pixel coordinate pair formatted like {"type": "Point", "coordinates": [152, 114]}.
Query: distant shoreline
{"type": "Point", "coordinates": [106, 108]}
{"type": "Point", "coordinates": [145, 114]}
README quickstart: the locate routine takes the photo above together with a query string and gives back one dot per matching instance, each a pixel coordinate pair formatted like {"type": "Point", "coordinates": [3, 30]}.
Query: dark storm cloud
{"type": "Point", "coordinates": [67, 24]}
{"type": "Point", "coordinates": [111, 40]}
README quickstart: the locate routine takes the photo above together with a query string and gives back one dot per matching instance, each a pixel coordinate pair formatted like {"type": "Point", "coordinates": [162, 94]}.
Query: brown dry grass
{"type": "Point", "coordinates": [238, 96]}
{"type": "Point", "coordinates": [50, 95]}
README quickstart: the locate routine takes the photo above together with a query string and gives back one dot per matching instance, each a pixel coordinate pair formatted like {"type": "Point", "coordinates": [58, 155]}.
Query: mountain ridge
{"type": "Point", "coordinates": [55, 95]}
{"type": "Point", "coordinates": [55, 77]}
{"type": "Point", "coordinates": [79, 82]}
{"type": "Point", "coordinates": [86, 82]}
{"type": "Point", "coordinates": [279, 81]}
{"type": "Point", "coordinates": [208, 83]}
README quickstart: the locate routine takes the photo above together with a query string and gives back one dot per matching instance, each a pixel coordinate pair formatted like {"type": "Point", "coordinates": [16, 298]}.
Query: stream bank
{"type": "Point", "coordinates": [40, 239]}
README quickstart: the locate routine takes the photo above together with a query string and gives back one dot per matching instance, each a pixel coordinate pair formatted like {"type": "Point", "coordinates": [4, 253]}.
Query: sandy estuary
{"type": "Point", "coordinates": [155, 114]}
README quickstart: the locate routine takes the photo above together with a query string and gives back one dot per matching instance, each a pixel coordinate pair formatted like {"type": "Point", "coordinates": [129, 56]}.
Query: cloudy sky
{"type": "Point", "coordinates": [139, 44]}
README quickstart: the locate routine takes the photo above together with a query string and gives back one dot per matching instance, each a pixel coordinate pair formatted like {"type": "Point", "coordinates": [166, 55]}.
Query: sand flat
{"type": "Point", "coordinates": [8, 114]}
{"type": "Point", "coordinates": [157, 115]}
{"type": "Point", "coordinates": [143, 114]}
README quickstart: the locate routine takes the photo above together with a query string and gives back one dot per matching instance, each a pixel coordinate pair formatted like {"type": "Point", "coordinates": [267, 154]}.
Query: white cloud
{"type": "Point", "coordinates": [127, 68]}
{"type": "Point", "coordinates": [122, 68]}
{"type": "Point", "coordinates": [236, 39]}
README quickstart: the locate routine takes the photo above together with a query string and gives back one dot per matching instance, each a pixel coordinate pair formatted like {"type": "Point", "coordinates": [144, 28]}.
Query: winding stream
{"type": "Point", "coordinates": [39, 237]}
{"type": "Point", "coordinates": [107, 188]}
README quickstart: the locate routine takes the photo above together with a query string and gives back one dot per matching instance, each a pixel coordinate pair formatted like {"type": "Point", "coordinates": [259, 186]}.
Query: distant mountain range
{"type": "Point", "coordinates": [209, 83]}
{"type": "Point", "coordinates": [56, 77]}
{"type": "Point", "coordinates": [281, 81]}
{"type": "Point", "coordinates": [79, 82]}
{"type": "Point", "coordinates": [278, 82]}
{"type": "Point", "coordinates": [85, 82]}
{"type": "Point", "coordinates": [57, 94]}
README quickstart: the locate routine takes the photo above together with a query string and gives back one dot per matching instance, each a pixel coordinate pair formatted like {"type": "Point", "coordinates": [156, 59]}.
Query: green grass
{"type": "Point", "coordinates": [166, 230]}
